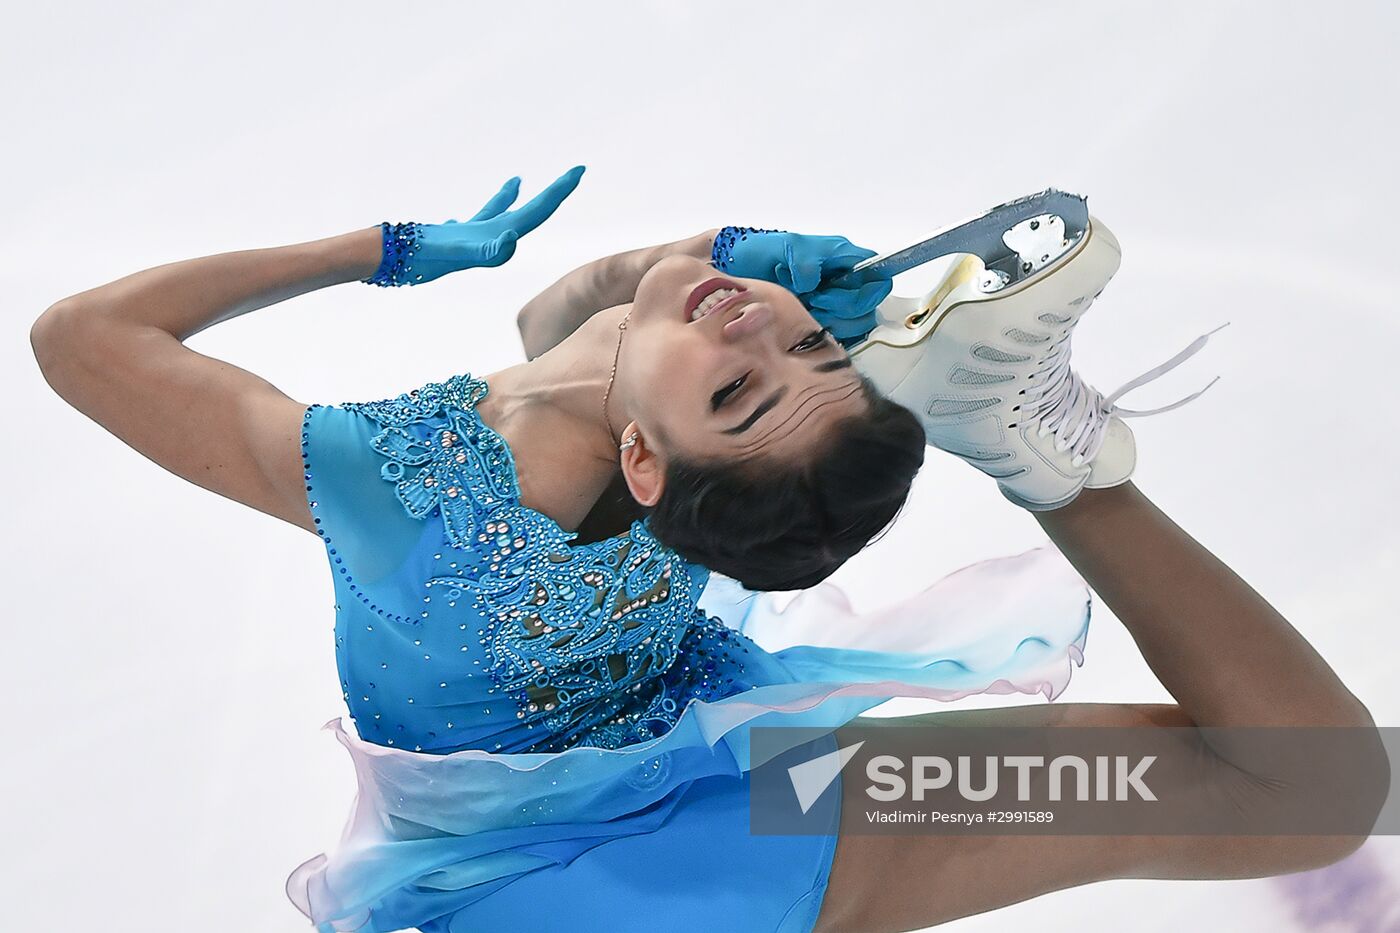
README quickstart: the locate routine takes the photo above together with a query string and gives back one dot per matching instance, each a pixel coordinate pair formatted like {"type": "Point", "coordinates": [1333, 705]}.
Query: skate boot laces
{"type": "Point", "coordinates": [1078, 414]}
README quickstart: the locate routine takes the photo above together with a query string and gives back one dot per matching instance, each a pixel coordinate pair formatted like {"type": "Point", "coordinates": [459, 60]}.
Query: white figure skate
{"type": "Point", "coordinates": [983, 358]}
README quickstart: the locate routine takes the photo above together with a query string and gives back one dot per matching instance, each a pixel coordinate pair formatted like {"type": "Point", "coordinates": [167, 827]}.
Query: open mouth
{"type": "Point", "coordinates": [709, 296]}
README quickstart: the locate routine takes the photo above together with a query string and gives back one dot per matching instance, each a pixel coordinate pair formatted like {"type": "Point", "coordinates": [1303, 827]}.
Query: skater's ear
{"type": "Point", "coordinates": [642, 467]}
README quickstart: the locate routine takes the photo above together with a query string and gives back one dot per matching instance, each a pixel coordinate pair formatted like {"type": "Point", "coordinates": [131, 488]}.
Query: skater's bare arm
{"type": "Point", "coordinates": [1225, 655]}
{"type": "Point", "coordinates": [557, 312]}
{"type": "Point", "coordinates": [116, 353]}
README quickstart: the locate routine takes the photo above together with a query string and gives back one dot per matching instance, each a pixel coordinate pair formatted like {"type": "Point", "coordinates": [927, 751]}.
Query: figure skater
{"type": "Point", "coordinates": [549, 732]}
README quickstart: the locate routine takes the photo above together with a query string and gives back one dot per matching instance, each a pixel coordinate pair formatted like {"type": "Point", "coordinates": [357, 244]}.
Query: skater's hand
{"type": "Point", "coordinates": [803, 264]}
{"type": "Point", "coordinates": [424, 252]}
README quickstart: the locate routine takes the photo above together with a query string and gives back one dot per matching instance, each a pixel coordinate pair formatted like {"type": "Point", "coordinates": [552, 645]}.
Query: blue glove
{"type": "Point", "coordinates": [417, 253]}
{"type": "Point", "coordinates": [801, 264]}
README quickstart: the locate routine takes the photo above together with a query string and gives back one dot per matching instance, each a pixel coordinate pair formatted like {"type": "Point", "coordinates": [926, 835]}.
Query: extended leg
{"type": "Point", "coordinates": [1226, 656]}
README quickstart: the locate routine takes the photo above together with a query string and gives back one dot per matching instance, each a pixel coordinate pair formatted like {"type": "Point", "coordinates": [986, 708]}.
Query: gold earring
{"type": "Point", "coordinates": [631, 441]}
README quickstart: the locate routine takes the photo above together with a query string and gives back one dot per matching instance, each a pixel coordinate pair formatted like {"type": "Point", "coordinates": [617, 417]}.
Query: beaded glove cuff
{"type": "Point", "coordinates": [400, 243]}
{"type": "Point", "coordinates": [723, 251]}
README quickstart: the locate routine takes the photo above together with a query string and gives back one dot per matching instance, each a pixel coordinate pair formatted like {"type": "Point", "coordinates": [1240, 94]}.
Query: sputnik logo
{"type": "Point", "coordinates": [811, 778]}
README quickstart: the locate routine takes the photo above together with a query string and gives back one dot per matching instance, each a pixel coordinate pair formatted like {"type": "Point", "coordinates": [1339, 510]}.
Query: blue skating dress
{"type": "Point", "coordinates": [554, 736]}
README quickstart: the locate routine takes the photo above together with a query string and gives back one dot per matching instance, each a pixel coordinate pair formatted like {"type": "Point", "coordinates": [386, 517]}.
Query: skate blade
{"type": "Point", "coordinates": [986, 236]}
{"type": "Point", "coordinates": [906, 323]}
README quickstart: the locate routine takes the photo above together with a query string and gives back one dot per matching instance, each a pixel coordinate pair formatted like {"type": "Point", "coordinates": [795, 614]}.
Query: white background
{"type": "Point", "coordinates": [168, 654]}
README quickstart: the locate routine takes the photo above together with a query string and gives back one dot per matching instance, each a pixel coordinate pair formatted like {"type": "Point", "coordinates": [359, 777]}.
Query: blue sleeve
{"type": "Point", "coordinates": [352, 492]}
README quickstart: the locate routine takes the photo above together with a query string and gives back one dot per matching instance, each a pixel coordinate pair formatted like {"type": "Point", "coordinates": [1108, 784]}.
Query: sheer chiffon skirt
{"type": "Point", "coordinates": [431, 838]}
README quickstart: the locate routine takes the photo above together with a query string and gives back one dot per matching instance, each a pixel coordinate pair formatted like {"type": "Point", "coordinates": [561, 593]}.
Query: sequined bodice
{"type": "Point", "coordinates": [469, 620]}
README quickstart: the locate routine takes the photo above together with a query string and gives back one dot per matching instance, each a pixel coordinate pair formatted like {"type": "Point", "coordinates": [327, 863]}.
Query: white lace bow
{"type": "Point", "coordinates": [1078, 414]}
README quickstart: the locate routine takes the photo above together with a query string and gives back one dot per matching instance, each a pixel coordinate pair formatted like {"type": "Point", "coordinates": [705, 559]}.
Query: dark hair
{"type": "Point", "coordinates": [776, 528]}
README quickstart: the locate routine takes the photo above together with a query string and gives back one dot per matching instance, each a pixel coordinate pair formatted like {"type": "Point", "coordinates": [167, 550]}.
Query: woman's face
{"type": "Point", "coordinates": [752, 375]}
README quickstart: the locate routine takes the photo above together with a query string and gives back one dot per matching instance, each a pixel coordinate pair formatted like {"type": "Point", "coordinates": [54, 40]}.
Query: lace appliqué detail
{"type": "Point", "coordinates": [455, 464]}
{"type": "Point", "coordinates": [582, 638]}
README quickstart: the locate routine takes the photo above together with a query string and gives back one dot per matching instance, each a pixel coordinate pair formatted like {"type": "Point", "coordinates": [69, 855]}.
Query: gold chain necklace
{"type": "Point", "coordinates": [621, 327]}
